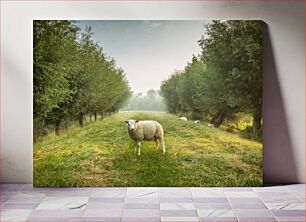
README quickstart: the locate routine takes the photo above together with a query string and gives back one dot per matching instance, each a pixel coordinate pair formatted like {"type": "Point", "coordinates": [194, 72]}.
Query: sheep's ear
{"type": "Point", "coordinates": [126, 121]}
{"type": "Point", "coordinates": [136, 121]}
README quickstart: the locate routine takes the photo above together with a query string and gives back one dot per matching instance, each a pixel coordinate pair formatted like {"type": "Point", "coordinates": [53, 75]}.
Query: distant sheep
{"type": "Point", "coordinates": [183, 118]}
{"type": "Point", "coordinates": [145, 130]}
{"type": "Point", "coordinates": [210, 125]}
{"type": "Point", "coordinates": [197, 121]}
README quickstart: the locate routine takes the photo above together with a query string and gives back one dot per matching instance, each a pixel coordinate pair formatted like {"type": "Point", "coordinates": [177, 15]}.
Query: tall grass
{"type": "Point", "coordinates": [102, 154]}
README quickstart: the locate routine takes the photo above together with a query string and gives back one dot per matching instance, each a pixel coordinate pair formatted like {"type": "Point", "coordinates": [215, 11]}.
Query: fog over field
{"type": "Point", "coordinates": [148, 51]}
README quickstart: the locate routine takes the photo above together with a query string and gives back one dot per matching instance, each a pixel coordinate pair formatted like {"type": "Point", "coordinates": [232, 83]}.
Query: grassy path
{"type": "Point", "coordinates": [101, 154]}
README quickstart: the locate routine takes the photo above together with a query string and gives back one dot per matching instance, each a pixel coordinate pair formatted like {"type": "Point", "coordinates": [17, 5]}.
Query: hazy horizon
{"type": "Point", "coordinates": [149, 51]}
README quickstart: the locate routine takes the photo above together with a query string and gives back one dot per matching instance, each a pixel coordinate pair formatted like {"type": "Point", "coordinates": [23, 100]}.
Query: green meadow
{"type": "Point", "coordinates": [102, 154]}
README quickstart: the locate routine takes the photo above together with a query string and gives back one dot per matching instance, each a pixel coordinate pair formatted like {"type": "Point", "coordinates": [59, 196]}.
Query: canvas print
{"type": "Point", "coordinates": [147, 103]}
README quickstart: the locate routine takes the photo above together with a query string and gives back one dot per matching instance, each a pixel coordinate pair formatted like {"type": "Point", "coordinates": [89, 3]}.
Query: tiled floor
{"type": "Point", "coordinates": [22, 202]}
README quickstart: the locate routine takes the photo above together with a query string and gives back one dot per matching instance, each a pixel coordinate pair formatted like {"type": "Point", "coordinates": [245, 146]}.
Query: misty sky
{"type": "Point", "coordinates": [148, 51]}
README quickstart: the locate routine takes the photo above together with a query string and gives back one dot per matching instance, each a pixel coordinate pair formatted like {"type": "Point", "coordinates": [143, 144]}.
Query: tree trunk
{"type": "Point", "coordinates": [58, 124]}
{"type": "Point", "coordinates": [256, 121]}
{"type": "Point", "coordinates": [96, 115]}
{"type": "Point", "coordinates": [218, 119]}
{"type": "Point", "coordinates": [90, 117]}
{"type": "Point", "coordinates": [43, 123]}
{"type": "Point", "coordinates": [81, 119]}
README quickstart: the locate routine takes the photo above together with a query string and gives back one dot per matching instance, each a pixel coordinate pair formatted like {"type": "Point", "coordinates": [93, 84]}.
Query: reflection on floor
{"type": "Point", "coordinates": [22, 202]}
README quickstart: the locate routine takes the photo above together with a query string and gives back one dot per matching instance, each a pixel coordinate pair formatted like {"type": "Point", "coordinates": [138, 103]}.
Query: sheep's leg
{"type": "Point", "coordinates": [138, 148]}
{"type": "Point", "coordinates": [135, 147]}
{"type": "Point", "coordinates": [157, 144]}
{"type": "Point", "coordinates": [163, 145]}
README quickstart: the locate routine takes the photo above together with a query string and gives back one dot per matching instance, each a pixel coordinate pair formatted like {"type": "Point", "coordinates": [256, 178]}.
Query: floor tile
{"type": "Point", "coordinates": [213, 205]}
{"type": "Point", "coordinates": [105, 200]}
{"type": "Point", "coordinates": [174, 189]}
{"type": "Point", "coordinates": [104, 206]}
{"type": "Point", "coordinates": [142, 200]}
{"type": "Point", "coordinates": [240, 194]}
{"type": "Point", "coordinates": [62, 203]}
{"type": "Point", "coordinates": [245, 200]}
{"type": "Point", "coordinates": [142, 213]}
{"type": "Point", "coordinates": [142, 192]}
{"type": "Point", "coordinates": [14, 214]}
{"type": "Point", "coordinates": [143, 219]}
{"type": "Point", "coordinates": [286, 206]}
{"type": "Point", "coordinates": [20, 206]}
{"type": "Point", "coordinates": [216, 213]}
{"type": "Point", "coordinates": [101, 219]}
{"type": "Point", "coordinates": [236, 188]}
{"type": "Point", "coordinates": [103, 213]}
{"type": "Point", "coordinates": [153, 204]}
{"type": "Point", "coordinates": [218, 219]}
{"type": "Point", "coordinates": [291, 219]}
{"type": "Point", "coordinates": [56, 213]}
{"type": "Point", "coordinates": [278, 189]}
{"type": "Point", "coordinates": [177, 206]}
{"type": "Point", "coordinates": [179, 213]}
{"type": "Point", "coordinates": [3, 200]}
{"type": "Point", "coordinates": [25, 200]}
{"type": "Point", "coordinates": [253, 219]}
{"type": "Point", "coordinates": [176, 200]}
{"type": "Point", "coordinates": [59, 189]}
{"type": "Point", "coordinates": [249, 206]}
{"type": "Point", "coordinates": [210, 200]}
{"type": "Point", "coordinates": [179, 219]}
{"type": "Point", "coordinates": [141, 206]}
{"type": "Point", "coordinates": [55, 219]}
{"type": "Point", "coordinates": [110, 189]}
{"type": "Point", "coordinates": [289, 213]}
{"type": "Point", "coordinates": [205, 192]}
{"type": "Point", "coordinates": [246, 203]}
{"type": "Point", "coordinates": [296, 187]}
{"type": "Point", "coordinates": [111, 194]}
{"type": "Point", "coordinates": [68, 193]}
{"type": "Point", "coordinates": [176, 192]}
{"type": "Point", "coordinates": [27, 194]}
{"type": "Point", "coordinates": [274, 197]}
{"type": "Point", "coordinates": [300, 195]}
{"type": "Point", "coordinates": [253, 213]}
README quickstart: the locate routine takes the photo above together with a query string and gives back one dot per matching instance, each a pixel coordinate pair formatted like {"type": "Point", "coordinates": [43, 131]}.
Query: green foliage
{"type": "Point", "coordinates": [169, 92]}
{"type": "Point", "coordinates": [225, 79]}
{"type": "Point", "coordinates": [72, 75]}
{"type": "Point", "coordinates": [102, 154]}
{"type": "Point", "coordinates": [53, 42]}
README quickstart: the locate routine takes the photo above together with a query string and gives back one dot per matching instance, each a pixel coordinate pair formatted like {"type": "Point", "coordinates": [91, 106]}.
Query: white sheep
{"type": "Point", "coordinates": [197, 121]}
{"type": "Point", "coordinates": [147, 130]}
{"type": "Point", "coordinates": [210, 125]}
{"type": "Point", "coordinates": [183, 118]}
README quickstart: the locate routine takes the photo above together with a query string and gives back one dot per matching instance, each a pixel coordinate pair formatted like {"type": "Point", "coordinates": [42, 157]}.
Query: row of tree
{"type": "Point", "coordinates": [152, 101]}
{"type": "Point", "coordinates": [72, 75]}
{"type": "Point", "coordinates": [226, 78]}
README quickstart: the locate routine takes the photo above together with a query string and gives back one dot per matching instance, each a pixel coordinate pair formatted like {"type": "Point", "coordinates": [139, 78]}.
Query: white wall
{"type": "Point", "coordinates": [284, 87]}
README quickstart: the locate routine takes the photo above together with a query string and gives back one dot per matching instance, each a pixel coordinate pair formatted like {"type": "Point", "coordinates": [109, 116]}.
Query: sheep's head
{"type": "Point", "coordinates": [131, 124]}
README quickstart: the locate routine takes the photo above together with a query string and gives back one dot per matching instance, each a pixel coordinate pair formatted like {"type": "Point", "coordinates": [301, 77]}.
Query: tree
{"type": "Point", "coordinates": [232, 51]}
{"type": "Point", "coordinates": [72, 75]}
{"type": "Point", "coordinates": [226, 78]}
{"type": "Point", "coordinates": [53, 43]}
{"type": "Point", "coordinates": [168, 90]}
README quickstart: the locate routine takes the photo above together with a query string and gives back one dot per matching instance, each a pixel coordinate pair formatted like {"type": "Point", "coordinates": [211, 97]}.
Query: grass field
{"type": "Point", "coordinates": [102, 154]}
